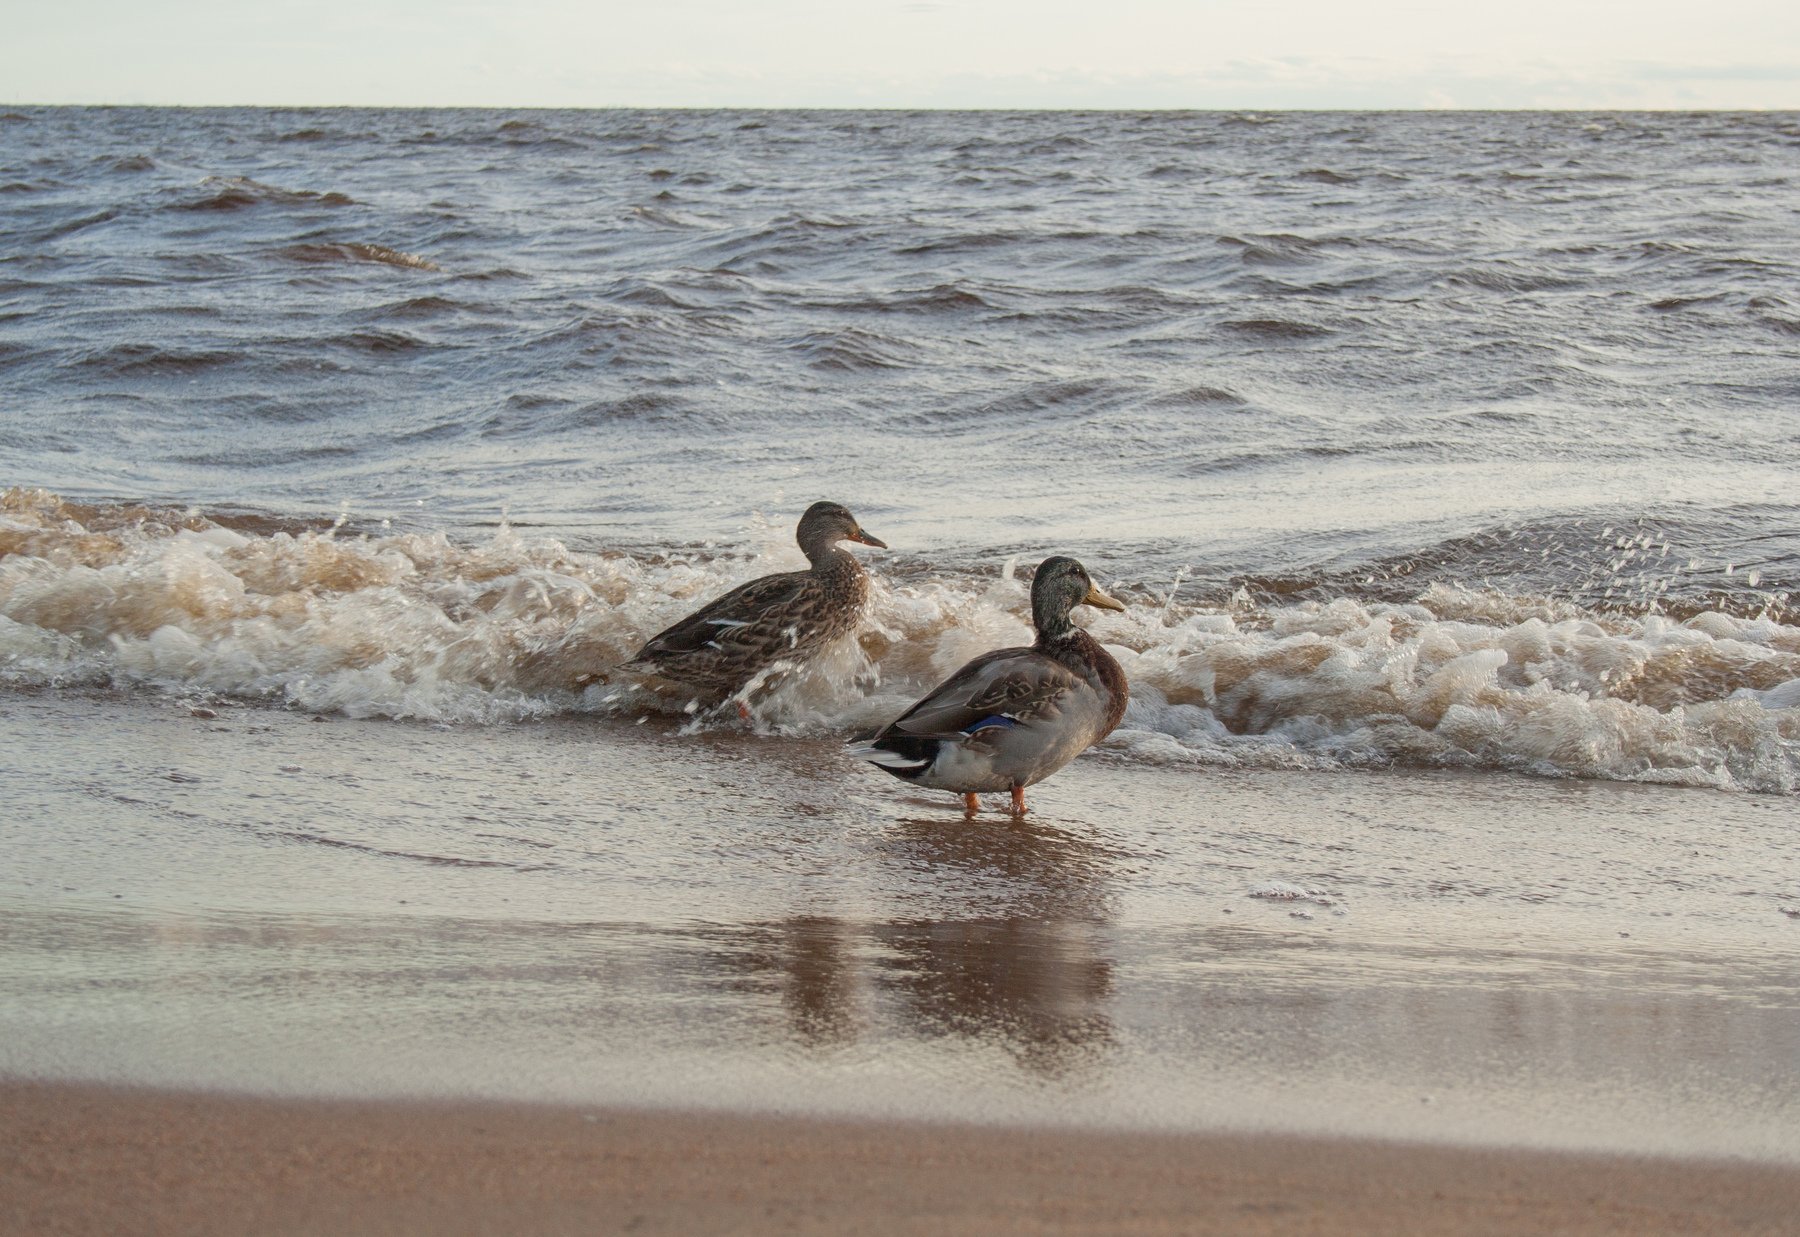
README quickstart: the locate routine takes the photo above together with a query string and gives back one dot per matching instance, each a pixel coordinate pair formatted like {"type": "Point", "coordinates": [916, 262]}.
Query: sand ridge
{"type": "Point", "coordinates": [82, 1158]}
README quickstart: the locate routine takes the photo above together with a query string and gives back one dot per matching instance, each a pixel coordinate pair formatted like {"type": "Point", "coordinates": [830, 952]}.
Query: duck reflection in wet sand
{"type": "Point", "coordinates": [1009, 950]}
{"type": "Point", "coordinates": [1035, 989]}
{"type": "Point", "coordinates": [1034, 870]}
{"type": "Point", "coordinates": [819, 989]}
{"type": "Point", "coordinates": [1012, 717]}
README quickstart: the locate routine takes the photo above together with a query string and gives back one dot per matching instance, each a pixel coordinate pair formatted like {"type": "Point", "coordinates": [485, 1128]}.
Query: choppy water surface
{"type": "Point", "coordinates": [1454, 438]}
{"type": "Point", "coordinates": [1302, 349]}
{"type": "Point", "coordinates": [1445, 462]}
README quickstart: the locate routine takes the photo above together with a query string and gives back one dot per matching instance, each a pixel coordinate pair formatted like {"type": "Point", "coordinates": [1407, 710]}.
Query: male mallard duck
{"type": "Point", "coordinates": [714, 652]}
{"type": "Point", "coordinates": [1013, 717]}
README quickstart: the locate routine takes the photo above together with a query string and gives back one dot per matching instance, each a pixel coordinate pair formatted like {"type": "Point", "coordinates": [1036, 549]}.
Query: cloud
{"type": "Point", "coordinates": [1719, 72]}
{"type": "Point", "coordinates": [1140, 54]}
{"type": "Point", "coordinates": [1256, 83]}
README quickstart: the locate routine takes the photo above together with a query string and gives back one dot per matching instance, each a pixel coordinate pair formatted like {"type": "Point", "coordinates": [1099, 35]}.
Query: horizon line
{"type": "Point", "coordinates": [829, 107]}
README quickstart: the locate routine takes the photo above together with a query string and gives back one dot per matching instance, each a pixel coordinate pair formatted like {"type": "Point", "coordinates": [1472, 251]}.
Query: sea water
{"type": "Point", "coordinates": [1445, 463]}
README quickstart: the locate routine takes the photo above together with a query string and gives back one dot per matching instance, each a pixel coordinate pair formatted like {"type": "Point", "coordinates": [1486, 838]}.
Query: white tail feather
{"type": "Point", "coordinates": [884, 758]}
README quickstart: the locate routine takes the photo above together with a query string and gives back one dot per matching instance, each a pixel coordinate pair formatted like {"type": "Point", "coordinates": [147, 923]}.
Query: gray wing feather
{"type": "Point", "coordinates": [1018, 683]}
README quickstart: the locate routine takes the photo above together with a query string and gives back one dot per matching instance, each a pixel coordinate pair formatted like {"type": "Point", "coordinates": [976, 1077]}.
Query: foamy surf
{"type": "Point", "coordinates": [420, 626]}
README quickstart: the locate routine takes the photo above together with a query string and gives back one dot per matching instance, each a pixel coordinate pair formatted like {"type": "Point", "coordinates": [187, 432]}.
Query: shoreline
{"type": "Point", "coordinates": [93, 1158]}
{"type": "Point", "coordinates": [255, 903]}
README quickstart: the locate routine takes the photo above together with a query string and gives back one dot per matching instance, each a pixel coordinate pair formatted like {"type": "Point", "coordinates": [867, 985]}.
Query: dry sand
{"type": "Point", "coordinates": [94, 1159]}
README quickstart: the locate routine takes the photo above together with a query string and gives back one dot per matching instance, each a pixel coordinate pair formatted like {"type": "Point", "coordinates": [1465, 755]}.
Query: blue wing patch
{"type": "Point", "coordinates": [997, 721]}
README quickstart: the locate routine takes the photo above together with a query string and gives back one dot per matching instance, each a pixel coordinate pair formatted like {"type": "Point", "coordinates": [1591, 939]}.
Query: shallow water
{"type": "Point", "coordinates": [1416, 439]}
{"type": "Point", "coordinates": [559, 911]}
{"type": "Point", "coordinates": [1445, 464]}
{"type": "Point", "coordinates": [508, 627]}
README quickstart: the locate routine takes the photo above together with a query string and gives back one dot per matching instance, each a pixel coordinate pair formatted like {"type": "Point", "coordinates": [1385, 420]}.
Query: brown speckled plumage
{"type": "Point", "coordinates": [713, 653]}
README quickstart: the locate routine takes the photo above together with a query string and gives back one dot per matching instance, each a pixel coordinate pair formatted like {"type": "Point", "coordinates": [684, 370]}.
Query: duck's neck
{"type": "Point", "coordinates": [828, 557]}
{"type": "Point", "coordinates": [837, 573]}
{"type": "Point", "coordinates": [1052, 623]}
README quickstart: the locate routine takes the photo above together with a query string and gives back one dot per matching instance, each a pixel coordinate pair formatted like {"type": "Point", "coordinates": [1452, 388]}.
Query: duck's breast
{"type": "Point", "coordinates": [1033, 751]}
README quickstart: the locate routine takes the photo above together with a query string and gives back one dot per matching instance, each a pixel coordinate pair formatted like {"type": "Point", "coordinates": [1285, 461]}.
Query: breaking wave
{"type": "Point", "coordinates": [354, 251]}
{"type": "Point", "coordinates": [408, 624]}
{"type": "Point", "coordinates": [224, 193]}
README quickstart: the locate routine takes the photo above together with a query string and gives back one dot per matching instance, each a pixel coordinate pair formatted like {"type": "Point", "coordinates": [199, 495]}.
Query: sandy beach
{"type": "Point", "coordinates": [85, 1159]}
{"type": "Point", "coordinates": [1441, 875]}
{"type": "Point", "coordinates": [241, 900]}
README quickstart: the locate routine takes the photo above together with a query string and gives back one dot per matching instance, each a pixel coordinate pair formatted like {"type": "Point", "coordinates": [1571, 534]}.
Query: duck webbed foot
{"type": "Point", "coordinates": [1018, 794]}
{"type": "Point", "coordinates": [971, 804]}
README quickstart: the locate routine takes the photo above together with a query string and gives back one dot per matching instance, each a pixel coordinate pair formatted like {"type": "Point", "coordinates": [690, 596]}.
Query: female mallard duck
{"type": "Point", "coordinates": [1013, 717]}
{"type": "Point", "coordinates": [713, 653]}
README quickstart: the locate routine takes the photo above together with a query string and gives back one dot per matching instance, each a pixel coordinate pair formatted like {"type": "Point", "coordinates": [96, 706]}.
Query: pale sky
{"type": "Point", "coordinates": [907, 53]}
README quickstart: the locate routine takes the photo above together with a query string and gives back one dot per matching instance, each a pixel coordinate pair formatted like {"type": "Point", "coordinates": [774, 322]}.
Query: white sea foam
{"type": "Point", "coordinates": [417, 626]}
{"type": "Point", "coordinates": [1287, 891]}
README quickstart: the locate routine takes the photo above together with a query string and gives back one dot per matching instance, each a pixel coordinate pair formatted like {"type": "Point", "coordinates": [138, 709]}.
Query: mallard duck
{"type": "Point", "coordinates": [713, 653]}
{"type": "Point", "coordinates": [1013, 717]}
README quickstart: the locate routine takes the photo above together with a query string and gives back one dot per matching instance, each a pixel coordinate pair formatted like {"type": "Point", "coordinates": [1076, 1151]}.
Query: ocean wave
{"type": "Point", "coordinates": [1198, 397]}
{"type": "Point", "coordinates": [1286, 248]}
{"type": "Point", "coordinates": [767, 245]}
{"type": "Point", "coordinates": [1669, 303]}
{"type": "Point", "coordinates": [421, 307]}
{"type": "Point", "coordinates": [16, 354]}
{"type": "Point", "coordinates": [377, 342]}
{"type": "Point", "coordinates": [852, 351]}
{"type": "Point", "coordinates": [355, 251]}
{"type": "Point", "coordinates": [1275, 328]}
{"type": "Point", "coordinates": [972, 242]}
{"type": "Point", "coordinates": [664, 218]}
{"type": "Point", "coordinates": [1247, 461]}
{"type": "Point", "coordinates": [536, 134]}
{"type": "Point", "coordinates": [1357, 684]}
{"type": "Point", "coordinates": [1505, 276]}
{"type": "Point", "coordinates": [644, 408]}
{"type": "Point", "coordinates": [226, 193]}
{"type": "Point", "coordinates": [1553, 569]}
{"type": "Point", "coordinates": [416, 625]}
{"type": "Point", "coordinates": [939, 298]}
{"type": "Point", "coordinates": [1057, 400]}
{"type": "Point", "coordinates": [72, 226]}
{"type": "Point", "coordinates": [150, 360]}
{"type": "Point", "coordinates": [654, 294]}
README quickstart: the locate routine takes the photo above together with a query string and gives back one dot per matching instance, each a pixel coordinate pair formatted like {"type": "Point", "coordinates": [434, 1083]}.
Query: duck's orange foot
{"type": "Point", "coordinates": [971, 803]}
{"type": "Point", "coordinates": [743, 711]}
{"type": "Point", "coordinates": [1018, 800]}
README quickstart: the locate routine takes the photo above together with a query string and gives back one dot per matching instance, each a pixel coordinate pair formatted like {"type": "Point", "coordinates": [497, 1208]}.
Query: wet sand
{"type": "Point", "coordinates": [88, 1159]}
{"type": "Point", "coordinates": [234, 899]}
